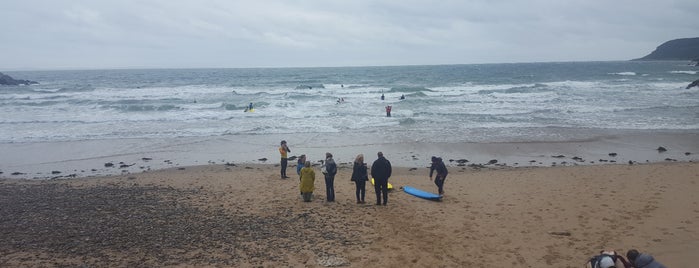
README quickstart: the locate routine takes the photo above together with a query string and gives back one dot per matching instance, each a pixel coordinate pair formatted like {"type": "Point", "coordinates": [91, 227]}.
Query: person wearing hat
{"type": "Point", "coordinates": [438, 165]}
{"type": "Point", "coordinates": [283, 150]}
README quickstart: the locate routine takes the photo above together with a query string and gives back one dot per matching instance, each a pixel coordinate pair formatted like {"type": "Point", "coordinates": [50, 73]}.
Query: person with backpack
{"type": "Point", "coordinates": [642, 260]}
{"type": "Point", "coordinates": [438, 165]}
{"type": "Point", "coordinates": [329, 172]}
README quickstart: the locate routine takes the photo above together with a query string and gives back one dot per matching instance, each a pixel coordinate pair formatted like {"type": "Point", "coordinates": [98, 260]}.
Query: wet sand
{"type": "Point", "coordinates": [244, 215]}
{"type": "Point", "coordinates": [43, 160]}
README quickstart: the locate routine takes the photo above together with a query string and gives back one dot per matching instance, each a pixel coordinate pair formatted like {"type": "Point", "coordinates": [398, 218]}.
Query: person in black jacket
{"type": "Point", "coordinates": [438, 165]}
{"type": "Point", "coordinates": [359, 177]}
{"type": "Point", "coordinates": [381, 171]}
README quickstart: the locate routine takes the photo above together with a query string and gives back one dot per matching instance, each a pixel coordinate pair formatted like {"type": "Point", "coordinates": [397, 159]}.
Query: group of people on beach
{"type": "Point", "coordinates": [636, 259]}
{"type": "Point", "coordinates": [380, 172]}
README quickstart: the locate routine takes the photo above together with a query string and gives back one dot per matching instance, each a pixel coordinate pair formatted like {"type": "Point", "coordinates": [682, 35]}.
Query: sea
{"type": "Point", "coordinates": [470, 103]}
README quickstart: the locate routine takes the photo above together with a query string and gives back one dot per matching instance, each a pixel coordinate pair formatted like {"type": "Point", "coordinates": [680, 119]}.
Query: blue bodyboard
{"type": "Point", "coordinates": [421, 193]}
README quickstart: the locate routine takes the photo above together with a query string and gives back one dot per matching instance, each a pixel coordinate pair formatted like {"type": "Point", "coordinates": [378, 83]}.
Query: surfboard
{"type": "Point", "coordinates": [390, 186]}
{"type": "Point", "coordinates": [249, 111]}
{"type": "Point", "coordinates": [421, 193]}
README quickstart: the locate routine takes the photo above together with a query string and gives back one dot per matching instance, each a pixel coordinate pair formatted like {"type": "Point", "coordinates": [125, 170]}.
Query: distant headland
{"type": "Point", "coordinates": [678, 49]}
{"type": "Point", "coordinates": [8, 80]}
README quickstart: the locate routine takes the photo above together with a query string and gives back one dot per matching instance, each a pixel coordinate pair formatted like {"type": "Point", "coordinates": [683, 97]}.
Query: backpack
{"type": "Point", "coordinates": [595, 261]}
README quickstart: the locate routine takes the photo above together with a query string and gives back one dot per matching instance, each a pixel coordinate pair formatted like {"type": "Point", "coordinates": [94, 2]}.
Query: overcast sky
{"type": "Point", "coordinates": [63, 34]}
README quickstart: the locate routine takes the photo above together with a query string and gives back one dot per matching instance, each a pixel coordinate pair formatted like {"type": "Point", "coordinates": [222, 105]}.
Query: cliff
{"type": "Point", "coordinates": [678, 49]}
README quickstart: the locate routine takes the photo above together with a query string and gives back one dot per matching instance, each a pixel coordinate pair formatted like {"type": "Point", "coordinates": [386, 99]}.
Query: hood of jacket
{"type": "Point", "coordinates": [646, 261]}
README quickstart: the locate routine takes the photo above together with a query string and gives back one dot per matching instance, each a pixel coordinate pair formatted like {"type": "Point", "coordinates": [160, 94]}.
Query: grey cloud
{"type": "Point", "coordinates": [218, 33]}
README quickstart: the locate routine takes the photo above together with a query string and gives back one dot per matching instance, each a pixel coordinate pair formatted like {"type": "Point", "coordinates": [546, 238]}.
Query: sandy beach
{"type": "Point", "coordinates": [245, 216]}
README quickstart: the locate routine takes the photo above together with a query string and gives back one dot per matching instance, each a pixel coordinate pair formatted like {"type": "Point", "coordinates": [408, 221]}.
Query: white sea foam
{"type": "Point", "coordinates": [624, 73]}
{"type": "Point", "coordinates": [436, 101]}
{"type": "Point", "coordinates": [683, 72]}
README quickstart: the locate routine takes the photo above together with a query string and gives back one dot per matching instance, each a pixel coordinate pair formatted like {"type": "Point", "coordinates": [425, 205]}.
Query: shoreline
{"type": "Point", "coordinates": [244, 215]}
{"type": "Point", "coordinates": [132, 156]}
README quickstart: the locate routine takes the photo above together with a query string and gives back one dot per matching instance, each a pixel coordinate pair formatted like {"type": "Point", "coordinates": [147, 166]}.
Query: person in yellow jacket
{"type": "Point", "coordinates": [283, 150]}
{"type": "Point", "coordinates": [308, 178]}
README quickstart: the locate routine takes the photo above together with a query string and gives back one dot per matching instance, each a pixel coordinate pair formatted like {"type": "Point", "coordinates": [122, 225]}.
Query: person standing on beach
{"type": "Point", "coordinates": [329, 172]}
{"type": "Point", "coordinates": [360, 177]}
{"type": "Point", "coordinates": [283, 150]}
{"type": "Point", "coordinates": [381, 171]}
{"type": "Point", "coordinates": [300, 163]}
{"type": "Point", "coordinates": [438, 165]}
{"type": "Point", "coordinates": [308, 178]}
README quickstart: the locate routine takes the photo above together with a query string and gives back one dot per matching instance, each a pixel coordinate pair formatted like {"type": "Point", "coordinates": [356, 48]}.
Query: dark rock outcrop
{"type": "Point", "coordinates": [693, 84]}
{"type": "Point", "coordinates": [9, 81]}
{"type": "Point", "coordinates": [678, 49]}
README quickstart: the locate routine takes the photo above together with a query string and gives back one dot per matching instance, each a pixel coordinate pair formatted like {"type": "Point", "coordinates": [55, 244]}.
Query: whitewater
{"type": "Point", "coordinates": [482, 103]}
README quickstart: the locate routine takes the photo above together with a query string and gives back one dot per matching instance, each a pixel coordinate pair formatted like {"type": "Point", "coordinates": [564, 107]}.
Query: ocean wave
{"type": "Point", "coordinates": [144, 107]}
{"type": "Point", "coordinates": [310, 86]}
{"type": "Point", "coordinates": [20, 122]}
{"type": "Point", "coordinates": [412, 96]}
{"type": "Point", "coordinates": [658, 109]}
{"type": "Point", "coordinates": [34, 103]}
{"type": "Point", "coordinates": [409, 89]}
{"type": "Point", "coordinates": [75, 88]}
{"type": "Point", "coordinates": [623, 73]}
{"type": "Point", "coordinates": [459, 101]}
{"type": "Point", "coordinates": [407, 121]}
{"type": "Point", "coordinates": [683, 72]}
{"type": "Point", "coordinates": [233, 107]}
{"type": "Point", "coordinates": [536, 88]}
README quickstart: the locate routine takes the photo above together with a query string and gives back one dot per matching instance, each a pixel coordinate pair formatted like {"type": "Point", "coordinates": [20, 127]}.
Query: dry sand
{"type": "Point", "coordinates": [245, 216]}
